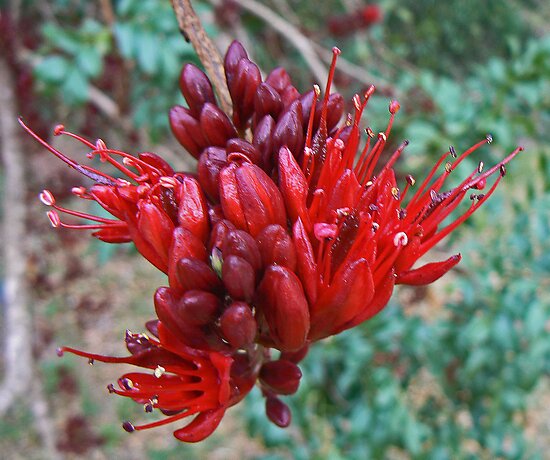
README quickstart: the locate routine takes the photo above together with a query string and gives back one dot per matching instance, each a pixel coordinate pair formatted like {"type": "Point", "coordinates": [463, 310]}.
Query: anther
{"type": "Point", "coordinates": [382, 136]}
{"type": "Point", "coordinates": [394, 107]}
{"type": "Point", "coordinates": [370, 91]}
{"type": "Point", "coordinates": [79, 191]}
{"type": "Point", "coordinates": [357, 102]}
{"type": "Point", "coordinates": [128, 427]}
{"type": "Point", "coordinates": [127, 384]}
{"type": "Point", "coordinates": [401, 214]}
{"type": "Point", "coordinates": [111, 388]}
{"type": "Point", "coordinates": [433, 195]}
{"type": "Point", "coordinates": [400, 239]}
{"type": "Point", "coordinates": [91, 361]}
{"type": "Point", "coordinates": [502, 170]}
{"type": "Point", "coordinates": [489, 138]}
{"type": "Point", "coordinates": [375, 226]}
{"type": "Point", "coordinates": [395, 192]}
{"type": "Point", "coordinates": [410, 180]}
{"type": "Point", "coordinates": [448, 167]}
{"type": "Point", "coordinates": [168, 182]}
{"type": "Point", "coordinates": [100, 145]}
{"type": "Point", "coordinates": [452, 151]}
{"type": "Point", "coordinates": [159, 370]}
{"type": "Point", "coordinates": [148, 407]}
{"type": "Point", "coordinates": [54, 219]}
{"type": "Point", "coordinates": [46, 197]}
{"type": "Point", "coordinates": [339, 144]}
{"type": "Point", "coordinates": [480, 167]}
{"type": "Point", "coordinates": [58, 130]}
{"type": "Point", "coordinates": [59, 352]}
{"type": "Point", "coordinates": [316, 90]}
{"type": "Point", "coordinates": [369, 132]}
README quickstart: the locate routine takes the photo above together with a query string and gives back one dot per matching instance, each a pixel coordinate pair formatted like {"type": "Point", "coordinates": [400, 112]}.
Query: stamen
{"type": "Point", "coordinates": [47, 198]}
{"type": "Point", "coordinates": [54, 219]}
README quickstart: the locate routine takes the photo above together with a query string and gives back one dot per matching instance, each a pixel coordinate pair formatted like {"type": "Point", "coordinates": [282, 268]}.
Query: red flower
{"type": "Point", "coordinates": [184, 382]}
{"type": "Point", "coordinates": [290, 232]}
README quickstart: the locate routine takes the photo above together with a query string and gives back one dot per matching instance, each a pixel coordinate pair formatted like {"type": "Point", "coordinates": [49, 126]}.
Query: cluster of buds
{"type": "Point", "coordinates": [290, 231]}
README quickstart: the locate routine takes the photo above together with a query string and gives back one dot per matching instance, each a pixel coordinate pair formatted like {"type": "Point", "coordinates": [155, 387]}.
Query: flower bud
{"type": "Point", "coordinates": [281, 300]}
{"type": "Point", "coordinates": [267, 102]}
{"type": "Point", "coordinates": [281, 376]}
{"type": "Point", "coordinates": [215, 125]}
{"type": "Point", "coordinates": [244, 148]}
{"type": "Point", "coordinates": [196, 88]}
{"type": "Point", "coordinates": [263, 141]}
{"type": "Point", "coordinates": [293, 186]}
{"type": "Point", "coordinates": [198, 308]}
{"type": "Point", "coordinates": [195, 274]}
{"type": "Point", "coordinates": [211, 162]}
{"type": "Point", "coordinates": [238, 278]}
{"type": "Point", "coordinates": [277, 411]}
{"type": "Point", "coordinates": [289, 131]}
{"type": "Point", "coordinates": [192, 209]}
{"type": "Point", "coordinates": [243, 89]}
{"type": "Point", "coordinates": [240, 243]}
{"type": "Point", "coordinates": [276, 247]}
{"type": "Point", "coordinates": [234, 54]}
{"type": "Point", "coordinates": [238, 325]}
{"type": "Point", "coordinates": [250, 199]}
{"type": "Point", "coordinates": [184, 245]}
{"type": "Point", "coordinates": [187, 130]}
{"type": "Point", "coordinates": [278, 79]}
{"type": "Point", "coordinates": [156, 228]}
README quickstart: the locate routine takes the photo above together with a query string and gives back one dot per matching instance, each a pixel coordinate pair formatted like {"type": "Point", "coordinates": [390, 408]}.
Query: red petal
{"type": "Point", "coordinates": [427, 273]}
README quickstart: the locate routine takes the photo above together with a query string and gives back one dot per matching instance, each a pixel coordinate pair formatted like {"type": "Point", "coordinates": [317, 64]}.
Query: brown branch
{"type": "Point", "coordinates": [191, 27]}
{"type": "Point", "coordinates": [17, 319]}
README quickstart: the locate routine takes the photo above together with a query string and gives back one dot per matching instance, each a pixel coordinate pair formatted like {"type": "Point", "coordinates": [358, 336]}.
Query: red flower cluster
{"type": "Point", "coordinates": [290, 231]}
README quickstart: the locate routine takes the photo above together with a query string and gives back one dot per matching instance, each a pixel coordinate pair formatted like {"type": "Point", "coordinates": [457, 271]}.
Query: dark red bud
{"type": "Point", "coordinates": [234, 54]}
{"type": "Point", "coordinates": [196, 88]}
{"type": "Point", "coordinates": [218, 234]}
{"type": "Point", "coordinates": [243, 89]}
{"type": "Point", "coordinates": [196, 274]}
{"type": "Point", "coordinates": [240, 243]}
{"type": "Point", "coordinates": [199, 307]}
{"type": "Point", "coordinates": [277, 411]}
{"type": "Point", "coordinates": [215, 125]}
{"type": "Point", "coordinates": [184, 245]}
{"type": "Point", "coordinates": [283, 377]}
{"type": "Point", "coordinates": [278, 79]}
{"type": "Point", "coordinates": [289, 95]}
{"type": "Point", "coordinates": [267, 102]}
{"type": "Point", "coordinates": [211, 162]}
{"type": "Point", "coordinates": [238, 278]}
{"type": "Point", "coordinates": [238, 325]}
{"type": "Point", "coordinates": [187, 130]}
{"type": "Point", "coordinates": [276, 247]}
{"type": "Point", "coordinates": [281, 300]}
{"type": "Point", "coordinates": [295, 356]}
{"type": "Point", "coordinates": [335, 110]}
{"type": "Point", "coordinates": [263, 141]}
{"type": "Point", "coordinates": [245, 148]}
{"type": "Point", "coordinates": [289, 131]}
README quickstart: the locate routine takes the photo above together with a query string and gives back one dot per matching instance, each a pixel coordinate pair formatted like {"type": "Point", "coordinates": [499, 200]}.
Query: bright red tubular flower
{"type": "Point", "coordinates": [184, 382]}
{"type": "Point", "coordinates": [291, 231]}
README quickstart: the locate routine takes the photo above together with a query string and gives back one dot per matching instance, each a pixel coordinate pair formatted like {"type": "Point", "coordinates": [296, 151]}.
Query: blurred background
{"type": "Point", "coordinates": [456, 370]}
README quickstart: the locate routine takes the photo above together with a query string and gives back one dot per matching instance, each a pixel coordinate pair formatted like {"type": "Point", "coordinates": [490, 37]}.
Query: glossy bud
{"type": "Point", "coordinates": [240, 243]}
{"type": "Point", "coordinates": [192, 209]}
{"type": "Point", "coordinates": [281, 376]}
{"type": "Point", "coordinates": [234, 54]}
{"type": "Point", "coordinates": [215, 125]}
{"type": "Point", "coordinates": [187, 130]}
{"type": "Point", "coordinates": [195, 274]}
{"type": "Point", "coordinates": [243, 90]}
{"type": "Point", "coordinates": [263, 141]}
{"type": "Point", "coordinates": [267, 102]}
{"type": "Point", "coordinates": [244, 148]}
{"type": "Point", "coordinates": [289, 131]}
{"type": "Point", "coordinates": [238, 325]}
{"type": "Point", "coordinates": [277, 411]}
{"type": "Point", "coordinates": [276, 247]}
{"type": "Point", "coordinates": [282, 302]}
{"type": "Point", "coordinates": [198, 307]}
{"type": "Point", "coordinates": [211, 162]}
{"type": "Point", "coordinates": [238, 278]}
{"type": "Point", "coordinates": [196, 88]}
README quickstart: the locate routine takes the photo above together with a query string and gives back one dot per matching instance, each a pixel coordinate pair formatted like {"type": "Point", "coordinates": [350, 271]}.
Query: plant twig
{"type": "Point", "coordinates": [17, 319]}
{"type": "Point", "coordinates": [191, 27]}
